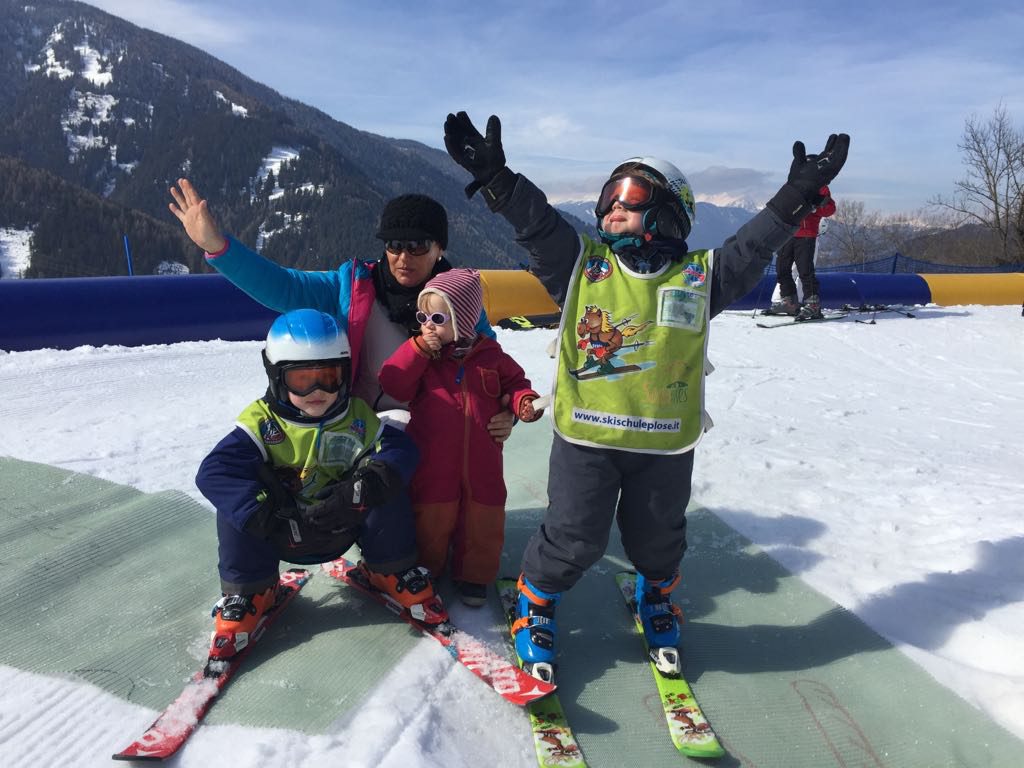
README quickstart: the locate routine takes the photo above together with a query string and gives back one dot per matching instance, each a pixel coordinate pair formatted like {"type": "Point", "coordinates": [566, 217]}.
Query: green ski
{"type": "Point", "coordinates": [553, 739]}
{"type": "Point", "coordinates": [690, 730]}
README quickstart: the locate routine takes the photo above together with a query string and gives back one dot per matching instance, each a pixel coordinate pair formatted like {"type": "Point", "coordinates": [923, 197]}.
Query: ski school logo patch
{"type": "Point", "coordinates": [694, 274]}
{"type": "Point", "coordinates": [597, 268]}
{"type": "Point", "coordinates": [271, 432]}
{"type": "Point", "coordinates": [358, 426]}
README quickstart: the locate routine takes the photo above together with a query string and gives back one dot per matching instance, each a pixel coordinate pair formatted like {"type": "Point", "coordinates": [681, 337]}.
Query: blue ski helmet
{"type": "Point", "coordinates": [306, 338]}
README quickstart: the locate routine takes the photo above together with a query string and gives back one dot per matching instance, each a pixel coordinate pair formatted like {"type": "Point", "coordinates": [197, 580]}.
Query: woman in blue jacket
{"type": "Point", "coordinates": [374, 302]}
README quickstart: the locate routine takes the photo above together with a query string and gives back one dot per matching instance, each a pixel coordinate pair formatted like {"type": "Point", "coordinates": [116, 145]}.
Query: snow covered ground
{"type": "Point", "coordinates": [900, 439]}
{"type": "Point", "coordinates": [14, 252]}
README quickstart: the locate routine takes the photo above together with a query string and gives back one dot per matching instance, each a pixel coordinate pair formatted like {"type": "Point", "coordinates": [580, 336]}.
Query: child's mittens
{"type": "Point", "coordinates": [429, 350]}
{"type": "Point", "coordinates": [532, 408]}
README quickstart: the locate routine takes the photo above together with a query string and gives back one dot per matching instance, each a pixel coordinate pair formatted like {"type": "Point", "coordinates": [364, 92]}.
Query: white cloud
{"type": "Point", "coordinates": [554, 126]}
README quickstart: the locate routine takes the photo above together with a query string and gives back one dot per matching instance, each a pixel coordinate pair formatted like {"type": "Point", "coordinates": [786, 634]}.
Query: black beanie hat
{"type": "Point", "coordinates": [414, 217]}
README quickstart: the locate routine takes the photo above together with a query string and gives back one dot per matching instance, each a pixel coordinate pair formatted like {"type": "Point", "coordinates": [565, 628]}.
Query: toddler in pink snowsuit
{"type": "Point", "coordinates": [455, 381]}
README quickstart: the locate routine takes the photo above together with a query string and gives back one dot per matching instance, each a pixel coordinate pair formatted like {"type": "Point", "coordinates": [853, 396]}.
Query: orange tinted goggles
{"type": "Point", "coordinates": [632, 192]}
{"type": "Point", "coordinates": [303, 381]}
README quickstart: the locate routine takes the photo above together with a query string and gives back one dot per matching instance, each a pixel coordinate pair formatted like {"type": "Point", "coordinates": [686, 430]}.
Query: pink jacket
{"type": "Point", "coordinates": [451, 399]}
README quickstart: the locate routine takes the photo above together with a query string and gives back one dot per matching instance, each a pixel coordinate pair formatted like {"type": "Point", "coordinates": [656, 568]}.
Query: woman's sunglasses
{"type": "Point", "coordinates": [437, 318]}
{"type": "Point", "coordinates": [412, 247]}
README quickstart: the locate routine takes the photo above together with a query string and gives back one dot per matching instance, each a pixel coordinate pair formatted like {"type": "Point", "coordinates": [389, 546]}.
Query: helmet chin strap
{"type": "Point", "coordinates": [625, 240]}
{"type": "Point", "coordinates": [642, 253]}
{"type": "Point", "coordinates": [636, 250]}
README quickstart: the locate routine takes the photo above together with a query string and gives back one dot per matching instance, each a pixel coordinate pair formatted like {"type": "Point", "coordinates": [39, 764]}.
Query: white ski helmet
{"type": "Point", "coordinates": [673, 212]}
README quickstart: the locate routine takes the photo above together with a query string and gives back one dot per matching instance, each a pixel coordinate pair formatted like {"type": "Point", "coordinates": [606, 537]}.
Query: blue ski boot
{"type": "Point", "coordinates": [660, 619]}
{"type": "Point", "coordinates": [534, 629]}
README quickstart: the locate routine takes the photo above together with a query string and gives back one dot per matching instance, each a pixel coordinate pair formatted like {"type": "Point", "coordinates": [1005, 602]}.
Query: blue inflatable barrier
{"type": "Point", "coordinates": [130, 311]}
{"type": "Point", "coordinates": [840, 289]}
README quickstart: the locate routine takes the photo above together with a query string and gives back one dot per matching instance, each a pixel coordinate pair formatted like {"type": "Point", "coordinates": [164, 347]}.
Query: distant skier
{"type": "Point", "coordinates": [455, 381]}
{"type": "Point", "coordinates": [307, 471]}
{"type": "Point", "coordinates": [623, 445]}
{"type": "Point", "coordinates": [800, 251]}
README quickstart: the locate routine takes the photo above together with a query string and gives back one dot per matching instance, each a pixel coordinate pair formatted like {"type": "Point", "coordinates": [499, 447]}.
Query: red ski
{"type": "Point", "coordinates": [506, 678]}
{"type": "Point", "coordinates": [176, 723]}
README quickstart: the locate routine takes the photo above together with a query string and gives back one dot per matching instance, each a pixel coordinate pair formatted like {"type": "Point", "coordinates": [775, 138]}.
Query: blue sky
{"type": "Point", "coordinates": [721, 89]}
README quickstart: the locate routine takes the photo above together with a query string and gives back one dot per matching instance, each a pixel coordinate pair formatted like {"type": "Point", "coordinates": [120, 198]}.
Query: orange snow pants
{"type": "Point", "coordinates": [470, 532]}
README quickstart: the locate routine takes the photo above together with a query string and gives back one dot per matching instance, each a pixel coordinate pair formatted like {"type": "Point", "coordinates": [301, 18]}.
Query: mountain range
{"type": "Point", "coordinates": [99, 117]}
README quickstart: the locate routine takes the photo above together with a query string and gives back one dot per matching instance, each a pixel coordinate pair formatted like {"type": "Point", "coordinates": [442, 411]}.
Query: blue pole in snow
{"type": "Point", "coordinates": [128, 255]}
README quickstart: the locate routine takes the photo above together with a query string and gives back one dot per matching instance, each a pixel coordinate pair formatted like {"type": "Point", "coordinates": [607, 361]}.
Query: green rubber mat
{"type": "Point", "coordinates": [113, 586]}
{"type": "Point", "coordinates": [786, 677]}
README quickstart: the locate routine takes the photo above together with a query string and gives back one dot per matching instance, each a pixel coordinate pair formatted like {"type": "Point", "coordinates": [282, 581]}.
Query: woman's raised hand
{"type": "Point", "coordinates": [195, 216]}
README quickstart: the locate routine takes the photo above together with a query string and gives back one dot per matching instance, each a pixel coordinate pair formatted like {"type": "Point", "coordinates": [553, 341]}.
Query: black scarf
{"type": "Point", "coordinates": [399, 301]}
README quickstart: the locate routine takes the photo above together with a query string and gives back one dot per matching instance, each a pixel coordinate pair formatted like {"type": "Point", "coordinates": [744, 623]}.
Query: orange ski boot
{"type": "Point", "coordinates": [236, 618]}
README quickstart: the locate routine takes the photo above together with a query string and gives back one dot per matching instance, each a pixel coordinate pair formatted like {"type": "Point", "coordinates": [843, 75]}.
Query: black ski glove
{"type": "Point", "coordinates": [801, 193]}
{"type": "Point", "coordinates": [275, 504]}
{"type": "Point", "coordinates": [344, 504]}
{"type": "Point", "coordinates": [380, 482]}
{"type": "Point", "coordinates": [481, 156]}
{"type": "Point", "coordinates": [267, 517]}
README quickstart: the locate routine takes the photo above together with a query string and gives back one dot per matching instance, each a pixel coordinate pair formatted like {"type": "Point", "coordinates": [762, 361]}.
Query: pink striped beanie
{"type": "Point", "coordinates": [461, 291]}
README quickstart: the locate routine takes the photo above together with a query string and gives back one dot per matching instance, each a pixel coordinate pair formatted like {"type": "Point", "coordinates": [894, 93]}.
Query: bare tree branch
{"type": "Point", "coordinates": [992, 192]}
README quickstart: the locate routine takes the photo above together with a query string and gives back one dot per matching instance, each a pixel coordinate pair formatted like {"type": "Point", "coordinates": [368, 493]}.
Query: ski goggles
{"type": "Point", "coordinates": [437, 318]}
{"type": "Point", "coordinates": [631, 192]}
{"type": "Point", "coordinates": [303, 380]}
{"type": "Point", "coordinates": [411, 247]}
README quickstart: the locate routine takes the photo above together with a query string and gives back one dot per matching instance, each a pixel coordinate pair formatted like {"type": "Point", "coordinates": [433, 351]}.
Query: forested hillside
{"type": "Point", "coordinates": [119, 113]}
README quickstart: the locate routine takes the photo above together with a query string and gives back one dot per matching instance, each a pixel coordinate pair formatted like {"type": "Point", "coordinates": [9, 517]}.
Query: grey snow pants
{"type": "Point", "coordinates": [588, 487]}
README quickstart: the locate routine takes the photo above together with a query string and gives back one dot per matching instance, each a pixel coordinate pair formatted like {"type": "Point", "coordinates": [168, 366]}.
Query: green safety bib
{"type": "Point", "coordinates": [307, 457]}
{"type": "Point", "coordinates": [631, 355]}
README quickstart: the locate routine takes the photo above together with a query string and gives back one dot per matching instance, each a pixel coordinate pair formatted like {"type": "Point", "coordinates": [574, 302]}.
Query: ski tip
{"type": "Point", "coordinates": [706, 751]}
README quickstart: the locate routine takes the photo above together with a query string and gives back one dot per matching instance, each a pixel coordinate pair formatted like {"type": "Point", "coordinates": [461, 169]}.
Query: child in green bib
{"type": "Point", "coordinates": [307, 471]}
{"type": "Point", "coordinates": [628, 401]}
